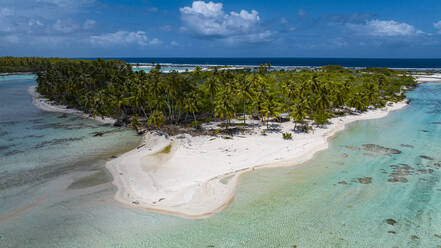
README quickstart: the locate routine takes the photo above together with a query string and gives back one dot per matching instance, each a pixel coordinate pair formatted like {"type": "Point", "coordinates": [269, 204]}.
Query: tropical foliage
{"type": "Point", "coordinates": [111, 88]}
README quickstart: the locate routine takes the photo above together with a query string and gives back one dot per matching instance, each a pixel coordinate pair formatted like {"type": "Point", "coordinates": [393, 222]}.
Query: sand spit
{"type": "Point", "coordinates": [195, 177]}
{"type": "Point", "coordinates": [47, 105]}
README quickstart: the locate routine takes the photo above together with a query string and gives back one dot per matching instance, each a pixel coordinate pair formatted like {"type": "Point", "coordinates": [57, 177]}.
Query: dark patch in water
{"type": "Point", "coordinates": [13, 152]}
{"type": "Point", "coordinates": [437, 122]}
{"type": "Point", "coordinates": [391, 222]}
{"type": "Point", "coordinates": [425, 131]}
{"type": "Point", "coordinates": [4, 147]}
{"type": "Point", "coordinates": [353, 148]}
{"type": "Point", "coordinates": [63, 126]}
{"type": "Point", "coordinates": [414, 237]}
{"type": "Point", "coordinates": [26, 137]}
{"type": "Point", "coordinates": [3, 133]}
{"type": "Point", "coordinates": [8, 123]}
{"type": "Point", "coordinates": [370, 154]}
{"type": "Point", "coordinates": [406, 145]}
{"type": "Point", "coordinates": [365, 180]}
{"type": "Point", "coordinates": [399, 173]}
{"type": "Point", "coordinates": [380, 149]}
{"type": "Point", "coordinates": [426, 157]}
{"type": "Point", "coordinates": [425, 171]}
{"type": "Point", "coordinates": [56, 142]}
{"type": "Point", "coordinates": [98, 178]}
{"type": "Point", "coordinates": [63, 116]}
{"type": "Point", "coordinates": [392, 232]}
{"type": "Point", "coordinates": [101, 133]}
{"type": "Point", "coordinates": [342, 182]}
{"type": "Point", "coordinates": [40, 174]}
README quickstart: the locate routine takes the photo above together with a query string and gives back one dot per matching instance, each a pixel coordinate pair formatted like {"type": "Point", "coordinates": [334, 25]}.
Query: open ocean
{"type": "Point", "coordinates": [54, 191]}
{"type": "Point", "coordinates": [307, 62]}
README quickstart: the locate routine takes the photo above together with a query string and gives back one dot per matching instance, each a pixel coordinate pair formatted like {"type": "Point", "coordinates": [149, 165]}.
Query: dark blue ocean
{"type": "Point", "coordinates": [313, 62]}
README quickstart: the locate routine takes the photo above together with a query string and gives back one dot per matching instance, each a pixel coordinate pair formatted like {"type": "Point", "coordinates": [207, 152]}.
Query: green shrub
{"type": "Point", "coordinates": [196, 124]}
{"type": "Point", "coordinates": [287, 136]}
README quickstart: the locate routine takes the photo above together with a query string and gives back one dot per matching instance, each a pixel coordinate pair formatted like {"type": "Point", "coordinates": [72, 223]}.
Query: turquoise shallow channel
{"type": "Point", "coordinates": [378, 185]}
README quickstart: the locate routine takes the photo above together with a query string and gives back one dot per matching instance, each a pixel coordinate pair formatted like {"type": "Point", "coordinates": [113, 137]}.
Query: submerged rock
{"type": "Point", "coordinates": [342, 182]}
{"type": "Point", "coordinates": [414, 237]}
{"type": "Point", "coordinates": [365, 180]}
{"type": "Point", "coordinates": [13, 152]}
{"type": "Point", "coordinates": [437, 122]}
{"type": "Point", "coordinates": [426, 157]}
{"type": "Point", "coordinates": [391, 222]}
{"type": "Point", "coordinates": [98, 134]}
{"type": "Point", "coordinates": [396, 179]}
{"type": "Point", "coordinates": [399, 173]}
{"type": "Point", "coordinates": [407, 146]}
{"type": "Point", "coordinates": [380, 149]}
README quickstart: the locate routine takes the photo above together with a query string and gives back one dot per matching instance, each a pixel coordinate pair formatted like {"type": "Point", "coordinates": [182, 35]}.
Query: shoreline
{"type": "Point", "coordinates": [195, 177]}
{"type": "Point", "coordinates": [48, 106]}
{"type": "Point", "coordinates": [427, 78]}
{"type": "Point", "coordinates": [198, 182]}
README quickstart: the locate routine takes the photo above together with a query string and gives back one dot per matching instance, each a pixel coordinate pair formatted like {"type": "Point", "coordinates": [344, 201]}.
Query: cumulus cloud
{"type": "Point", "coordinates": [384, 28]}
{"type": "Point", "coordinates": [123, 38]}
{"type": "Point", "coordinates": [437, 25]}
{"type": "Point", "coordinates": [208, 20]}
{"type": "Point", "coordinates": [64, 26]}
{"type": "Point", "coordinates": [88, 24]}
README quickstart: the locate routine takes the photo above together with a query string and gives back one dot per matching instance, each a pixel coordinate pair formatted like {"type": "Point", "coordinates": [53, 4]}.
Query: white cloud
{"type": "Point", "coordinates": [208, 20]}
{"type": "Point", "coordinates": [123, 38]}
{"type": "Point", "coordinates": [71, 4]}
{"type": "Point", "coordinates": [88, 24]}
{"type": "Point", "coordinates": [283, 20]}
{"type": "Point", "coordinates": [64, 27]}
{"type": "Point", "coordinates": [437, 25]}
{"type": "Point", "coordinates": [384, 28]}
{"type": "Point", "coordinates": [155, 41]}
{"type": "Point", "coordinates": [174, 43]}
{"type": "Point", "coordinates": [4, 12]}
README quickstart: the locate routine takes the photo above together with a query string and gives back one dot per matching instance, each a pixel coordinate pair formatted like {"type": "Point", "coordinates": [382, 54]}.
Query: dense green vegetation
{"type": "Point", "coordinates": [26, 64]}
{"type": "Point", "coordinates": [111, 88]}
{"type": "Point", "coordinates": [32, 64]}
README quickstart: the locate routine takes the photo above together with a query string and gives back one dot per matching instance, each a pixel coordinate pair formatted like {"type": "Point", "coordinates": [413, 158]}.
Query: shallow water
{"type": "Point", "coordinates": [38, 148]}
{"type": "Point", "coordinates": [350, 195]}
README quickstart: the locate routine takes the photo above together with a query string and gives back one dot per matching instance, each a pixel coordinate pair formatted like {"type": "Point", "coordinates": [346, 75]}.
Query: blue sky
{"type": "Point", "coordinates": [228, 28]}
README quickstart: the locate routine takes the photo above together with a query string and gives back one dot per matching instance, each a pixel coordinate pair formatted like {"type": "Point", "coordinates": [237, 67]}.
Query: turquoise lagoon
{"type": "Point", "coordinates": [350, 195]}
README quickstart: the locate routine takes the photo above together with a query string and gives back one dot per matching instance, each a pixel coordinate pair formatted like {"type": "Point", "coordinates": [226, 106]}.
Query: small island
{"type": "Point", "coordinates": [204, 128]}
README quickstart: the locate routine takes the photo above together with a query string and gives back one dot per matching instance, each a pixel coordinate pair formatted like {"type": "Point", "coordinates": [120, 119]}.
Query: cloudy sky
{"type": "Point", "coordinates": [223, 28]}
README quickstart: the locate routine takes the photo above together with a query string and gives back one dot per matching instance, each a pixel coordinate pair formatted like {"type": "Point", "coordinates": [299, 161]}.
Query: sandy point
{"type": "Point", "coordinates": [196, 176]}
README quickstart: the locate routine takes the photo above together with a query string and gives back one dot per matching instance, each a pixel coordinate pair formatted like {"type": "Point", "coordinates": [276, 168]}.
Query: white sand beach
{"type": "Point", "coordinates": [195, 177]}
{"type": "Point", "coordinates": [428, 78]}
{"type": "Point", "coordinates": [49, 106]}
